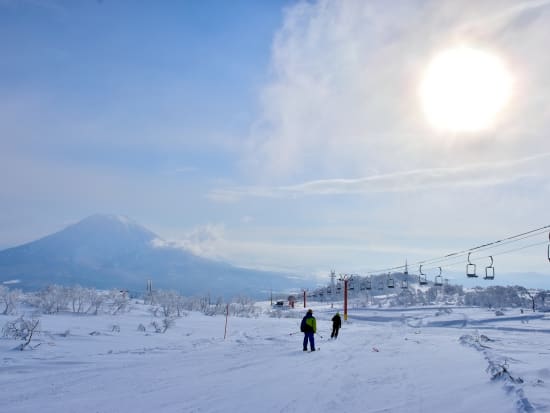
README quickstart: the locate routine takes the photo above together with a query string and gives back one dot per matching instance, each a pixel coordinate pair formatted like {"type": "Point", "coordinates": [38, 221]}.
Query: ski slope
{"type": "Point", "coordinates": [428, 360]}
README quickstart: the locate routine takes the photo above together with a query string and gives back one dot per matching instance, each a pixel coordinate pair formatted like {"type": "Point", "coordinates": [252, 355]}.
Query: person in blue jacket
{"type": "Point", "coordinates": [309, 328]}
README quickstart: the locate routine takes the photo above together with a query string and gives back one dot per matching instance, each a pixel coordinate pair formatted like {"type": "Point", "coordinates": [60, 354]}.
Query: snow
{"type": "Point", "coordinates": [429, 359]}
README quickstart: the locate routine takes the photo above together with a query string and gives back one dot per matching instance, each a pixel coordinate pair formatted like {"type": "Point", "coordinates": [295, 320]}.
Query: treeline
{"type": "Point", "coordinates": [81, 300]}
{"type": "Point", "coordinates": [412, 295]}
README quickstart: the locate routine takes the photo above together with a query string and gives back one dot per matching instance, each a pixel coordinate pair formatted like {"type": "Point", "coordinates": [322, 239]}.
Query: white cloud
{"type": "Point", "coordinates": [477, 175]}
{"type": "Point", "coordinates": [205, 241]}
{"type": "Point", "coordinates": [343, 96]}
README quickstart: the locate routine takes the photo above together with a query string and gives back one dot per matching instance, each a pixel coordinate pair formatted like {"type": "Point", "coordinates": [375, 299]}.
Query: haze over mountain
{"type": "Point", "coordinates": [111, 251]}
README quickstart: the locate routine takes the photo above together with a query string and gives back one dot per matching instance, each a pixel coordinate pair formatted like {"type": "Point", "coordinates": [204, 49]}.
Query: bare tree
{"type": "Point", "coordinates": [532, 294]}
{"type": "Point", "coordinates": [21, 329]}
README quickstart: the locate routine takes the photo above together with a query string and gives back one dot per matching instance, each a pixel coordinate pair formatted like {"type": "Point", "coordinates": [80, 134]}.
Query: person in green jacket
{"type": "Point", "coordinates": [309, 328]}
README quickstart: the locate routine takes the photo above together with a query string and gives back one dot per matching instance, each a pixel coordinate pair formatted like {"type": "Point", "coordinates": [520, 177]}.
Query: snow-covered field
{"type": "Point", "coordinates": [386, 360]}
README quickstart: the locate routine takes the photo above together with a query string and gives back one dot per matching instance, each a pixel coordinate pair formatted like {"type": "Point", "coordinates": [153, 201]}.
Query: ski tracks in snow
{"type": "Point", "coordinates": [524, 383]}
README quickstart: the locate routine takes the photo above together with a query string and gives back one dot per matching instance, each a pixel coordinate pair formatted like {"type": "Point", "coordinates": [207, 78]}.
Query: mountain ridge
{"type": "Point", "coordinates": [113, 251]}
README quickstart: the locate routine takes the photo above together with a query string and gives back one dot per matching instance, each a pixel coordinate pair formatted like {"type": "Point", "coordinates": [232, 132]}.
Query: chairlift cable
{"type": "Point", "coordinates": [488, 245]}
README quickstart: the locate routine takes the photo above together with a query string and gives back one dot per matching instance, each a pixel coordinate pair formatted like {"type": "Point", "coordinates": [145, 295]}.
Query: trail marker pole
{"type": "Point", "coordinates": [345, 300]}
{"type": "Point", "coordinates": [226, 316]}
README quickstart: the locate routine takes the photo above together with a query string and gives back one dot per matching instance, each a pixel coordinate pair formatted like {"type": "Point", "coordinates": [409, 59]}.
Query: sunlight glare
{"type": "Point", "coordinates": [464, 89]}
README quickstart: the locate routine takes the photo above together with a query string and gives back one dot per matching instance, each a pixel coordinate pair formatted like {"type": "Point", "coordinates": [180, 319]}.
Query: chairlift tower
{"type": "Point", "coordinates": [150, 291]}
{"type": "Point", "coordinates": [332, 287]}
{"type": "Point", "coordinates": [332, 283]}
{"type": "Point", "coordinates": [345, 278]}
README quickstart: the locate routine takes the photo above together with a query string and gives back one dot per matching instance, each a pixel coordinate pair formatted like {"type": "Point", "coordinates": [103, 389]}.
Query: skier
{"type": "Point", "coordinates": [336, 324]}
{"type": "Point", "coordinates": [309, 327]}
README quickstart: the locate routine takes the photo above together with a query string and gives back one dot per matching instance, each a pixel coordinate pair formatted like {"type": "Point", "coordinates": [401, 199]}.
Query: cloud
{"type": "Point", "coordinates": [476, 175]}
{"type": "Point", "coordinates": [343, 96]}
{"type": "Point", "coordinates": [204, 241]}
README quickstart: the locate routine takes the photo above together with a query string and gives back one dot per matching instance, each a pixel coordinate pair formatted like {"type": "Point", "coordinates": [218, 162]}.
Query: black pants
{"type": "Point", "coordinates": [334, 332]}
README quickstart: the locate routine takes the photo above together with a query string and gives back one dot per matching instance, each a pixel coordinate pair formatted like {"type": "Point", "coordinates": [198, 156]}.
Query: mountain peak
{"type": "Point", "coordinates": [119, 225]}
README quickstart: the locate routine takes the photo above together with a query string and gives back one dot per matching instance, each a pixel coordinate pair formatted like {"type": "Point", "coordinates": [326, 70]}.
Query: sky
{"type": "Point", "coordinates": [286, 135]}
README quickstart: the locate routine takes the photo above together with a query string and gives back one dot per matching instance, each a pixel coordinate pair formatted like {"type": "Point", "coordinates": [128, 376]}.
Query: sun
{"type": "Point", "coordinates": [464, 89]}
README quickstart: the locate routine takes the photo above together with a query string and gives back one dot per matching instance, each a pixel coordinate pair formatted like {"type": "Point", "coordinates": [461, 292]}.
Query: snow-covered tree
{"type": "Point", "coordinates": [78, 297]}
{"type": "Point", "coordinates": [52, 299]}
{"type": "Point", "coordinates": [167, 302]}
{"type": "Point", "coordinates": [8, 300]}
{"type": "Point", "coordinates": [96, 301]}
{"type": "Point", "coordinates": [118, 301]}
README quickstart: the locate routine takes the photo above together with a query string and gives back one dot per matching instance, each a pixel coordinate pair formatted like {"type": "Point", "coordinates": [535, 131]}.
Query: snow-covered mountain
{"type": "Point", "coordinates": [110, 251]}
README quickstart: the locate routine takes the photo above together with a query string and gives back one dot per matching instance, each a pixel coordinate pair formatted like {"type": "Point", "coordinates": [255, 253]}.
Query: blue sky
{"type": "Point", "coordinates": [277, 134]}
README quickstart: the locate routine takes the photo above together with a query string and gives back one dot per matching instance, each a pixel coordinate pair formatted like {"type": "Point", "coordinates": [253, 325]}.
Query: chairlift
{"type": "Point", "coordinates": [490, 270]}
{"type": "Point", "coordinates": [368, 284]}
{"type": "Point", "coordinates": [404, 284]}
{"type": "Point", "coordinates": [422, 278]}
{"type": "Point", "coordinates": [470, 268]}
{"type": "Point", "coordinates": [391, 282]}
{"type": "Point", "coordinates": [329, 290]}
{"type": "Point", "coordinates": [380, 285]}
{"type": "Point", "coordinates": [438, 282]}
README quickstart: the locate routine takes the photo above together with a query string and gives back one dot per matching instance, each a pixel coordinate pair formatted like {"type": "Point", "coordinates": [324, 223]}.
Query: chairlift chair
{"type": "Point", "coordinates": [368, 284]}
{"type": "Point", "coordinates": [422, 278]}
{"type": "Point", "coordinates": [391, 282]}
{"type": "Point", "coordinates": [490, 270]}
{"type": "Point", "coordinates": [470, 268]}
{"type": "Point", "coordinates": [438, 282]}
{"type": "Point", "coordinates": [404, 284]}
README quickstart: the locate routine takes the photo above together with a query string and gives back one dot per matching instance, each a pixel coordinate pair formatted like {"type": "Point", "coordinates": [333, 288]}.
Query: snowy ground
{"type": "Point", "coordinates": [428, 360]}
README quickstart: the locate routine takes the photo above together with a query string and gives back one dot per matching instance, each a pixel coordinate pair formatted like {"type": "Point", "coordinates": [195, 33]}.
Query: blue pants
{"type": "Point", "coordinates": [309, 336]}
